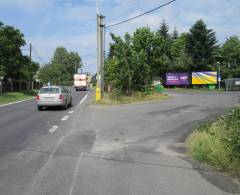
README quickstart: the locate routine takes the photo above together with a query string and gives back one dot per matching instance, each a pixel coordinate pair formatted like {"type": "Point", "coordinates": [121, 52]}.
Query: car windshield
{"type": "Point", "coordinates": [49, 91]}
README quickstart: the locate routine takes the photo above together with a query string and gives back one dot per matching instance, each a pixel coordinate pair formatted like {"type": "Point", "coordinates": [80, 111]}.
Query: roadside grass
{"type": "Point", "coordinates": [218, 143]}
{"type": "Point", "coordinates": [137, 97]}
{"type": "Point", "coordinates": [11, 97]}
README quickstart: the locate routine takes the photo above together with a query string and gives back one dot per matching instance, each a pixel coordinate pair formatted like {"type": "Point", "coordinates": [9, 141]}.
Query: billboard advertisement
{"type": "Point", "coordinates": [204, 78]}
{"type": "Point", "coordinates": [177, 79]}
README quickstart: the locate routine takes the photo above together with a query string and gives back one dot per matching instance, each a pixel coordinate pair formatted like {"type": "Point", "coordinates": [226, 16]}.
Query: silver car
{"type": "Point", "coordinates": [53, 96]}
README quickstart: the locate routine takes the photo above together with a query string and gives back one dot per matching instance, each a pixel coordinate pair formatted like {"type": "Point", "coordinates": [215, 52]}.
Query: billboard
{"type": "Point", "coordinates": [177, 79]}
{"type": "Point", "coordinates": [204, 78]}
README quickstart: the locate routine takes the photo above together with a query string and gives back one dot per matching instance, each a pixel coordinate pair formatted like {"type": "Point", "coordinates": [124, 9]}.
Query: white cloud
{"type": "Point", "coordinates": [84, 44]}
{"type": "Point", "coordinates": [82, 13]}
{"type": "Point", "coordinates": [26, 5]}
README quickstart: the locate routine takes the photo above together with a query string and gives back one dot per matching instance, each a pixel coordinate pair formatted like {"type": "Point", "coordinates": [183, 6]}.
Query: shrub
{"type": "Point", "coordinates": [218, 143]}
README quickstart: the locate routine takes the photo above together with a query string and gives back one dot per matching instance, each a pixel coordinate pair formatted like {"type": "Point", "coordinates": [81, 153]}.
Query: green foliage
{"type": "Point", "coordinates": [28, 70]}
{"type": "Point", "coordinates": [201, 46]}
{"type": "Point", "coordinates": [175, 34]}
{"type": "Point", "coordinates": [133, 61]}
{"type": "Point", "coordinates": [180, 59]}
{"type": "Point", "coordinates": [127, 67]}
{"type": "Point", "coordinates": [218, 143]}
{"type": "Point", "coordinates": [60, 71]}
{"type": "Point", "coordinates": [13, 64]}
{"type": "Point", "coordinates": [163, 30]}
{"type": "Point", "coordinates": [229, 56]}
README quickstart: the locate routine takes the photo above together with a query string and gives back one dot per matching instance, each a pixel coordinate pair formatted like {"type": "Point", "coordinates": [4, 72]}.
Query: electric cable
{"type": "Point", "coordinates": [140, 15]}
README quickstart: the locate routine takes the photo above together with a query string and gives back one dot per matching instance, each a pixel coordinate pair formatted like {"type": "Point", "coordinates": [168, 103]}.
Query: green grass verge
{"type": "Point", "coordinates": [135, 98]}
{"type": "Point", "coordinates": [218, 143]}
{"type": "Point", "coordinates": [10, 97]}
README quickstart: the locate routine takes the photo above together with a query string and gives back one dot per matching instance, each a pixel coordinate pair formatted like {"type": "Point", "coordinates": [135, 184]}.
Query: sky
{"type": "Point", "coordinates": [48, 24]}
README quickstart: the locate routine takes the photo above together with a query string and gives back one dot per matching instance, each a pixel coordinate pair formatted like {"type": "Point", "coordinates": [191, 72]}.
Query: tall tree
{"type": "Point", "coordinates": [175, 34]}
{"type": "Point", "coordinates": [161, 56]}
{"type": "Point", "coordinates": [142, 41]}
{"type": "Point", "coordinates": [60, 71]}
{"type": "Point", "coordinates": [201, 46]}
{"type": "Point", "coordinates": [180, 60]}
{"type": "Point", "coordinates": [163, 30]}
{"type": "Point", "coordinates": [230, 57]}
{"type": "Point", "coordinates": [11, 58]}
{"type": "Point", "coordinates": [74, 62]}
{"type": "Point", "coordinates": [28, 70]}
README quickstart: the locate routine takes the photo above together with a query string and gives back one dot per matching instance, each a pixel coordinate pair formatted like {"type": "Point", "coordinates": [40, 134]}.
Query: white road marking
{"type": "Point", "coordinates": [65, 118]}
{"type": "Point", "coordinates": [85, 97]}
{"type": "Point", "coordinates": [16, 102]}
{"type": "Point", "coordinates": [53, 129]}
{"type": "Point", "coordinates": [70, 112]}
{"type": "Point", "coordinates": [97, 130]}
{"type": "Point", "coordinates": [50, 158]}
{"type": "Point", "coordinates": [75, 173]}
{"type": "Point", "coordinates": [20, 153]}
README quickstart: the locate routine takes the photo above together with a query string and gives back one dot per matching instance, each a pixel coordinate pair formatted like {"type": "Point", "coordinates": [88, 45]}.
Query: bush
{"type": "Point", "coordinates": [218, 143]}
{"type": "Point", "coordinates": [115, 94]}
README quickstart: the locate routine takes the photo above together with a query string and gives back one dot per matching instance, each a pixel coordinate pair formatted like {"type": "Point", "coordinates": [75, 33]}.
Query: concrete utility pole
{"type": "Point", "coordinates": [102, 59]}
{"type": "Point", "coordinates": [100, 55]}
{"type": "Point", "coordinates": [98, 91]}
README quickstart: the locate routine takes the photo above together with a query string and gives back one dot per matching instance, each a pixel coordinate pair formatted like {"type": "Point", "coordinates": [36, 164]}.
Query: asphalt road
{"type": "Point", "coordinates": [91, 149]}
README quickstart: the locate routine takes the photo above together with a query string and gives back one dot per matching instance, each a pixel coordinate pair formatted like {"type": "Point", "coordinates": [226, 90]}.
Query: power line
{"type": "Point", "coordinates": [119, 5]}
{"type": "Point", "coordinates": [136, 6]}
{"type": "Point", "coordinates": [38, 56]}
{"type": "Point", "coordinates": [24, 49]}
{"type": "Point", "coordinates": [123, 6]}
{"type": "Point", "coordinates": [140, 15]}
{"type": "Point", "coordinates": [143, 5]}
{"type": "Point", "coordinates": [90, 55]}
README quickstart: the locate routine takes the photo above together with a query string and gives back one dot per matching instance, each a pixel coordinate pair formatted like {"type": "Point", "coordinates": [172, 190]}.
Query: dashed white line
{"type": "Point", "coordinates": [20, 153]}
{"type": "Point", "coordinates": [70, 112]}
{"type": "Point", "coordinates": [65, 118]}
{"type": "Point", "coordinates": [85, 97]}
{"type": "Point", "coordinates": [53, 129]}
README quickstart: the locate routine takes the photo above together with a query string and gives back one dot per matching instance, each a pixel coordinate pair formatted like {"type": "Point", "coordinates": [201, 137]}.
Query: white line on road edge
{"type": "Point", "coordinates": [16, 102]}
{"type": "Point", "coordinates": [85, 97]}
{"type": "Point", "coordinates": [53, 129]}
{"type": "Point", "coordinates": [75, 173]}
{"type": "Point", "coordinates": [70, 112]}
{"type": "Point", "coordinates": [65, 118]}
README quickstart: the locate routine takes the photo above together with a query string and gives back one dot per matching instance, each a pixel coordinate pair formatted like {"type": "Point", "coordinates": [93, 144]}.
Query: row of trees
{"type": "Point", "coordinates": [62, 67]}
{"type": "Point", "coordinates": [133, 61]}
{"type": "Point", "coordinates": [13, 64]}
